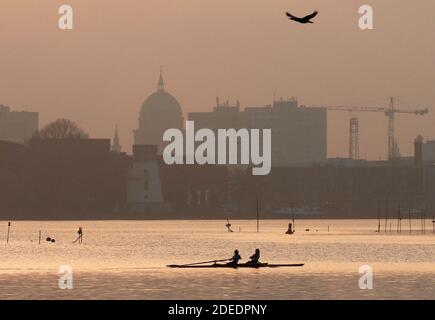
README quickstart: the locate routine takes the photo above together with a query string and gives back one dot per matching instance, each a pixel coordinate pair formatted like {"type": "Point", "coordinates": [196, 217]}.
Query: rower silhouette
{"type": "Point", "coordinates": [235, 259]}
{"type": "Point", "coordinates": [255, 257]}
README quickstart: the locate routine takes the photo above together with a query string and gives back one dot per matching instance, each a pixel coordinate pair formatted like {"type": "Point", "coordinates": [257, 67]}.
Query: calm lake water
{"type": "Point", "coordinates": [127, 259]}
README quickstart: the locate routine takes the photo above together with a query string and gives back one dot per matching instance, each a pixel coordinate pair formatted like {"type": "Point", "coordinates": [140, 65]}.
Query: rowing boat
{"type": "Point", "coordinates": [241, 265]}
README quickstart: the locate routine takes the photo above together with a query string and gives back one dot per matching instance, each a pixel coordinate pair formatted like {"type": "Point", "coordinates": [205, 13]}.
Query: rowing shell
{"type": "Point", "coordinates": [241, 265]}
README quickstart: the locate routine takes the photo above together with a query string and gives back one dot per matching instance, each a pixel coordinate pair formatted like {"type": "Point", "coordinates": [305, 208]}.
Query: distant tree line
{"type": "Point", "coordinates": [60, 129]}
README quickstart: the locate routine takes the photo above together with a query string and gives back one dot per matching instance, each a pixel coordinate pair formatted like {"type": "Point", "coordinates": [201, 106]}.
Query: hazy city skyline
{"type": "Point", "coordinates": [217, 151]}
{"type": "Point", "coordinates": [100, 73]}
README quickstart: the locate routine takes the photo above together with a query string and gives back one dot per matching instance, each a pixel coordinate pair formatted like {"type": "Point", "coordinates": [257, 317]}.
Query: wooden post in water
{"type": "Point", "coordinates": [399, 222]}
{"type": "Point", "coordinates": [424, 222]}
{"type": "Point", "coordinates": [379, 219]}
{"type": "Point", "coordinates": [258, 218]}
{"type": "Point", "coordinates": [293, 217]}
{"type": "Point", "coordinates": [9, 227]}
{"type": "Point", "coordinates": [409, 219]}
{"type": "Point", "coordinates": [421, 221]}
{"type": "Point", "coordinates": [39, 239]}
{"type": "Point", "coordinates": [433, 224]}
{"type": "Point", "coordinates": [386, 214]}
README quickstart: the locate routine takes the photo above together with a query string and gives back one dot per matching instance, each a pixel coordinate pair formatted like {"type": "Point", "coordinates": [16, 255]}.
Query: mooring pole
{"type": "Point", "coordinates": [424, 222]}
{"type": "Point", "coordinates": [379, 219]}
{"type": "Point", "coordinates": [409, 219]}
{"type": "Point", "coordinates": [9, 227]}
{"type": "Point", "coordinates": [399, 221]}
{"type": "Point", "coordinates": [386, 214]}
{"type": "Point", "coordinates": [421, 221]}
{"type": "Point", "coordinates": [39, 239]}
{"type": "Point", "coordinates": [258, 218]}
{"type": "Point", "coordinates": [293, 218]}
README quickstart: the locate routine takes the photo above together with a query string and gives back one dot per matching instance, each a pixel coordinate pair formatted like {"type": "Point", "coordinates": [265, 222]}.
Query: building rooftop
{"type": "Point", "coordinates": [4, 108]}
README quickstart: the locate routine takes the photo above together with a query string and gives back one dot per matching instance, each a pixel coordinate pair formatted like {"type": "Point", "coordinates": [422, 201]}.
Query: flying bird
{"type": "Point", "coordinates": [305, 19]}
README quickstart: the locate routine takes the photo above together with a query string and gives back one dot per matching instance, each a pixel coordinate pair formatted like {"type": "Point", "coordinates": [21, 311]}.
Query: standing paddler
{"type": "Point", "coordinates": [80, 237]}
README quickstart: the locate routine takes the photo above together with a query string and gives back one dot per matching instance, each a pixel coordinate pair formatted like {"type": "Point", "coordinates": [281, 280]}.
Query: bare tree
{"type": "Point", "coordinates": [60, 129]}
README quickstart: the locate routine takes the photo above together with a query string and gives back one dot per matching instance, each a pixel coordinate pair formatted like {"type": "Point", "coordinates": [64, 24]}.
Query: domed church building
{"type": "Point", "coordinates": [159, 112]}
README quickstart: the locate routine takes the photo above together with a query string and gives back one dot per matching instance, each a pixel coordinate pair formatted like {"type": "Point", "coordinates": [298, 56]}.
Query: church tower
{"type": "Point", "coordinates": [116, 147]}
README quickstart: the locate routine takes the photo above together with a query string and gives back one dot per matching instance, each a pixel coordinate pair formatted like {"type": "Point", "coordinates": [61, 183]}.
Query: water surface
{"type": "Point", "coordinates": [127, 259]}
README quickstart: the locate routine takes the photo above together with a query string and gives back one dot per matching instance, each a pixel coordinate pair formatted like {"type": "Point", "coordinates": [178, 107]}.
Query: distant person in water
{"type": "Point", "coordinates": [255, 257]}
{"type": "Point", "coordinates": [80, 237]}
{"type": "Point", "coordinates": [235, 259]}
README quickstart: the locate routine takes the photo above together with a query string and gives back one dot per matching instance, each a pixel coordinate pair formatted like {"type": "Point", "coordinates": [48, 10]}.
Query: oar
{"type": "Point", "coordinates": [192, 264]}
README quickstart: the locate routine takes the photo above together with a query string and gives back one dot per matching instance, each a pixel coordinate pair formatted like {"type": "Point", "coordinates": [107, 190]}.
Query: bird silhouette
{"type": "Point", "coordinates": [305, 19]}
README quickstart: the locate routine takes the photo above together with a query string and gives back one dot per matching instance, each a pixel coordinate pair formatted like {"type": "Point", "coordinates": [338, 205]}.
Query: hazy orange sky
{"type": "Point", "coordinates": [99, 74]}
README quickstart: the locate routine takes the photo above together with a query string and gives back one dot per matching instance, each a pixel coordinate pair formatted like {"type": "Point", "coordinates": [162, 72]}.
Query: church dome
{"type": "Point", "coordinates": [163, 107]}
{"type": "Point", "coordinates": [159, 112]}
{"type": "Point", "coordinates": [161, 102]}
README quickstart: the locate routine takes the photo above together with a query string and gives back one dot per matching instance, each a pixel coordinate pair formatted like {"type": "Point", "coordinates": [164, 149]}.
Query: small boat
{"type": "Point", "coordinates": [240, 265]}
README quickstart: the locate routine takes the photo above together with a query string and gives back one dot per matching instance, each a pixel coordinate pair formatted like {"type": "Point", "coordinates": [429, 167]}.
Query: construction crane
{"type": "Point", "coordinates": [354, 138]}
{"type": "Point", "coordinates": [390, 111]}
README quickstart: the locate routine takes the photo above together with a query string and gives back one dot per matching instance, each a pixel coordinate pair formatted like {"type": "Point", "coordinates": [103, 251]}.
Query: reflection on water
{"type": "Point", "coordinates": [127, 259]}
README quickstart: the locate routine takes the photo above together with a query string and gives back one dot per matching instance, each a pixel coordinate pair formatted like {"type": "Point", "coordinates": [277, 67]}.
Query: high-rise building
{"type": "Point", "coordinates": [298, 133]}
{"type": "Point", "coordinates": [17, 126]}
{"type": "Point", "coordinates": [429, 151]}
{"type": "Point", "coordinates": [159, 112]}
